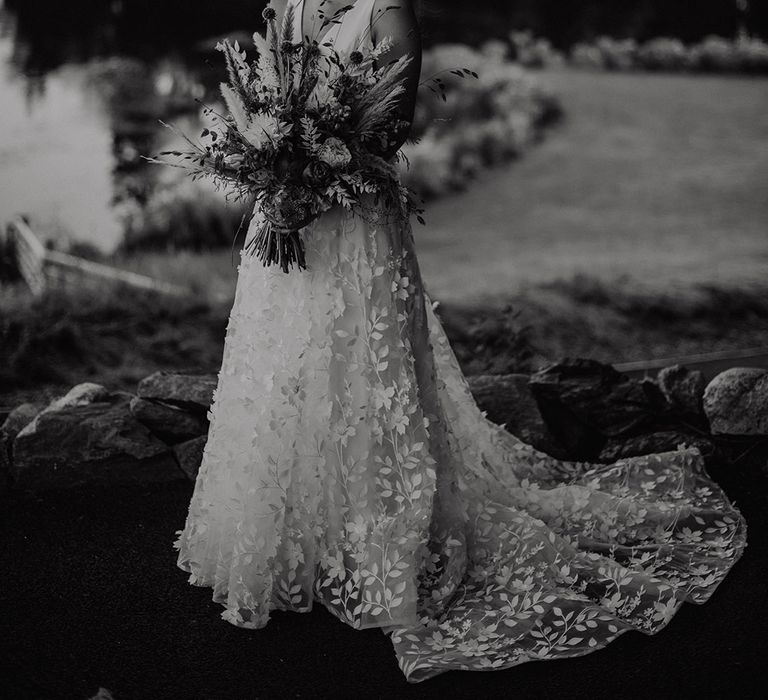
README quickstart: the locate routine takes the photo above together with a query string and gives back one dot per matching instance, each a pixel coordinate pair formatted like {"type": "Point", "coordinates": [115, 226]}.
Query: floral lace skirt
{"type": "Point", "coordinates": [347, 464]}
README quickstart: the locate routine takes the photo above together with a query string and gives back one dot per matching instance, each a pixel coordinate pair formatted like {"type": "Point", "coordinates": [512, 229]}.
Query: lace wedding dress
{"type": "Point", "coordinates": [347, 464]}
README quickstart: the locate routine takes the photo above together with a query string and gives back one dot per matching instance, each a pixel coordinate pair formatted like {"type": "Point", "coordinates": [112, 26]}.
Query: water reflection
{"type": "Point", "coordinates": [56, 157]}
{"type": "Point", "coordinates": [79, 111]}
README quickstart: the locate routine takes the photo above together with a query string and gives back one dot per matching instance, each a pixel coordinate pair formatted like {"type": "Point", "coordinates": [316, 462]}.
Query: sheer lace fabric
{"type": "Point", "coordinates": [348, 464]}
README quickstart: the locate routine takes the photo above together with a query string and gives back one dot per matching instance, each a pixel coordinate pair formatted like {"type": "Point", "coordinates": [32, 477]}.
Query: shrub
{"type": "Point", "coordinates": [182, 214]}
{"type": "Point", "coordinates": [618, 54]}
{"type": "Point", "coordinates": [663, 54]}
{"type": "Point", "coordinates": [495, 50]}
{"type": "Point", "coordinates": [714, 54]}
{"type": "Point", "coordinates": [532, 52]}
{"type": "Point", "coordinates": [753, 54]}
{"type": "Point", "coordinates": [588, 56]}
{"type": "Point", "coordinates": [431, 165]}
{"type": "Point", "coordinates": [482, 122]}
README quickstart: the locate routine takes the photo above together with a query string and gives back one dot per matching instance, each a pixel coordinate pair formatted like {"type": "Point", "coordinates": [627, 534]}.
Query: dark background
{"type": "Point", "coordinates": [51, 33]}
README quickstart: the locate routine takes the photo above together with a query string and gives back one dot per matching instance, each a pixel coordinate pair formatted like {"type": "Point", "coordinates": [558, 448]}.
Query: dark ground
{"type": "Point", "coordinates": [92, 597]}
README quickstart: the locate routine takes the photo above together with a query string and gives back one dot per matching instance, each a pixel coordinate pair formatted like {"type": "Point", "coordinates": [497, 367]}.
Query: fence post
{"type": "Point", "coordinates": [40, 267]}
{"type": "Point", "coordinates": [30, 254]}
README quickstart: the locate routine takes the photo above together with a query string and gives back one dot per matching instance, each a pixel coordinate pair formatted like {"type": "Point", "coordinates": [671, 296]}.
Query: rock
{"type": "Point", "coordinates": [189, 455]}
{"type": "Point", "coordinates": [663, 441]}
{"type": "Point", "coordinates": [736, 402]}
{"type": "Point", "coordinates": [19, 418]}
{"type": "Point", "coordinates": [99, 441]}
{"type": "Point", "coordinates": [584, 402]}
{"type": "Point", "coordinates": [683, 388]}
{"type": "Point", "coordinates": [193, 392]}
{"type": "Point", "coordinates": [5, 465]}
{"type": "Point", "coordinates": [81, 395]}
{"type": "Point", "coordinates": [508, 401]}
{"type": "Point", "coordinates": [14, 423]}
{"type": "Point", "coordinates": [171, 424]}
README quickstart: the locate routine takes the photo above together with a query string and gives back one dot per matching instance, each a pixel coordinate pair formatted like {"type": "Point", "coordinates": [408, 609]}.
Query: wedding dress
{"type": "Point", "coordinates": [348, 464]}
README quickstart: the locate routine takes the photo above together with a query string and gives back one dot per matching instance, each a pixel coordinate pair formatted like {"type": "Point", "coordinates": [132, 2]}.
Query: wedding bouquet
{"type": "Point", "coordinates": [304, 132]}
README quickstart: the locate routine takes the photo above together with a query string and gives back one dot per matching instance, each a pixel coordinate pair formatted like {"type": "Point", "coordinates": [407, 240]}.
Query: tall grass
{"type": "Point", "coordinates": [116, 337]}
{"type": "Point", "coordinates": [120, 336]}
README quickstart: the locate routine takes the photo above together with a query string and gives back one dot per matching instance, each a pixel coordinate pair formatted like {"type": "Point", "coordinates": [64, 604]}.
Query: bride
{"type": "Point", "coordinates": [348, 465]}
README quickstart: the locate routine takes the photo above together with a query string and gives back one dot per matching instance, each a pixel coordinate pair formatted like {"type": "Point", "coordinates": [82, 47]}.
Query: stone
{"type": "Point", "coordinates": [13, 424]}
{"type": "Point", "coordinates": [683, 388]}
{"type": "Point", "coordinates": [81, 395]}
{"type": "Point", "coordinates": [189, 455]}
{"type": "Point", "coordinates": [99, 441]}
{"type": "Point", "coordinates": [19, 418]}
{"type": "Point", "coordinates": [736, 402]}
{"type": "Point", "coordinates": [508, 401]}
{"type": "Point", "coordinates": [5, 465]}
{"type": "Point", "coordinates": [170, 423]}
{"type": "Point", "coordinates": [193, 392]}
{"type": "Point", "coordinates": [585, 402]}
{"type": "Point", "coordinates": [662, 441]}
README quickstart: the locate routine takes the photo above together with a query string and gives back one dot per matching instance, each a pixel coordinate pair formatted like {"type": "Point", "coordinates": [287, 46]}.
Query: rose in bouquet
{"type": "Point", "coordinates": [304, 132]}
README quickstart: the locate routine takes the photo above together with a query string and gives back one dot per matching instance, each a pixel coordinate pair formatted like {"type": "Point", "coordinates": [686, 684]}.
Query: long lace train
{"type": "Point", "coordinates": [347, 463]}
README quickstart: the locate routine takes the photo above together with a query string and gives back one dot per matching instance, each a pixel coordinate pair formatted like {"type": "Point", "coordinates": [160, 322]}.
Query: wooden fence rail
{"type": "Point", "coordinates": [42, 268]}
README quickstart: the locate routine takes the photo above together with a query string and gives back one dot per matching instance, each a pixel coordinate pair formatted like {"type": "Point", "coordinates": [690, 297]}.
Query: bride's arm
{"type": "Point", "coordinates": [397, 18]}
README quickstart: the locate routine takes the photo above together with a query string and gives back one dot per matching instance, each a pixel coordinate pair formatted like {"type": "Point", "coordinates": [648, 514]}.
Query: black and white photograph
{"type": "Point", "coordinates": [383, 349]}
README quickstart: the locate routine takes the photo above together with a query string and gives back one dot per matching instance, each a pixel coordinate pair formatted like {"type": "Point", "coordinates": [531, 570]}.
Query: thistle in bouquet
{"type": "Point", "coordinates": [304, 132]}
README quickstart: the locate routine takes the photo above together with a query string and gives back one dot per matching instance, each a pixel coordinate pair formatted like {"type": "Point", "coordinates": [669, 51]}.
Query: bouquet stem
{"type": "Point", "coordinates": [271, 246]}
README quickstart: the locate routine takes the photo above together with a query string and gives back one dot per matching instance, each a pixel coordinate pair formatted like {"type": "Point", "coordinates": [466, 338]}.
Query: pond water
{"type": "Point", "coordinates": [77, 117]}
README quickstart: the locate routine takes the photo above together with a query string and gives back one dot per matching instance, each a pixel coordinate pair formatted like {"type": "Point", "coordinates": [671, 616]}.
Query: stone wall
{"type": "Point", "coordinates": [574, 409]}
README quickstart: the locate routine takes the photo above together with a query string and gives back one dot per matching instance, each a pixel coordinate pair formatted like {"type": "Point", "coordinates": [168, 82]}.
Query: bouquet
{"type": "Point", "coordinates": [304, 132]}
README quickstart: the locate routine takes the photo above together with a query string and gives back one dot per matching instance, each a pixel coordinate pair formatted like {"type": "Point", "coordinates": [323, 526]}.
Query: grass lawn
{"type": "Point", "coordinates": [661, 178]}
{"type": "Point", "coordinates": [658, 181]}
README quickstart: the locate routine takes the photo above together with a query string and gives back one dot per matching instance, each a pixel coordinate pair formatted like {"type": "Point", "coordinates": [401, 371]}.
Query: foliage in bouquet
{"type": "Point", "coordinates": [304, 131]}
